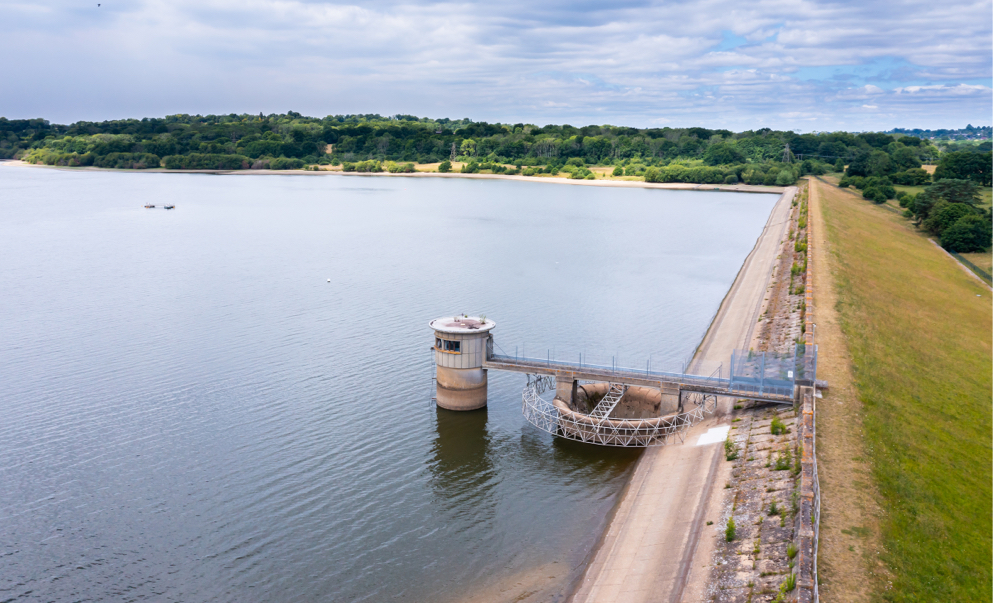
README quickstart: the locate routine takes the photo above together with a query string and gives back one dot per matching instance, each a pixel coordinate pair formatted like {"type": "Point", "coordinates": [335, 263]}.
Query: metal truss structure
{"type": "Point", "coordinates": [558, 419]}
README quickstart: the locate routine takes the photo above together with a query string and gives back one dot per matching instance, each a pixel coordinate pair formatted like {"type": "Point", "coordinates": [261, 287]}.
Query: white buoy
{"type": "Point", "coordinates": [329, 280]}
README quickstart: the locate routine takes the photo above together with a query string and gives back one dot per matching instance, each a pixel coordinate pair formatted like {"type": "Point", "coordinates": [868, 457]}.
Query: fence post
{"type": "Point", "coordinates": [762, 375]}
{"type": "Point", "coordinates": [731, 373]}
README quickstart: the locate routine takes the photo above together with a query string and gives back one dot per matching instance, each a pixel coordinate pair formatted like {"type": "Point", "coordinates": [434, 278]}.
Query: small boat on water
{"type": "Point", "coordinates": [170, 207]}
{"type": "Point", "coordinates": [149, 206]}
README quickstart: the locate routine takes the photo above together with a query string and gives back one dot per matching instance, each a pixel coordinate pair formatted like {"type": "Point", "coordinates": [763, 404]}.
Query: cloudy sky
{"type": "Point", "coordinates": [791, 64]}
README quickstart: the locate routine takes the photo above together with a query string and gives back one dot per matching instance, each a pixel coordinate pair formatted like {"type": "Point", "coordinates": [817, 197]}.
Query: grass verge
{"type": "Point", "coordinates": [919, 333]}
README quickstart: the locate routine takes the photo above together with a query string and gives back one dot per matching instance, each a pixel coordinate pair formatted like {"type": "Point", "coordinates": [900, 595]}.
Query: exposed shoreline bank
{"type": "Point", "coordinates": [738, 188]}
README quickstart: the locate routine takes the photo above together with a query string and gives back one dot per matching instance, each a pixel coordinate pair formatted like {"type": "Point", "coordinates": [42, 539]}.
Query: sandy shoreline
{"type": "Point", "coordinates": [738, 188]}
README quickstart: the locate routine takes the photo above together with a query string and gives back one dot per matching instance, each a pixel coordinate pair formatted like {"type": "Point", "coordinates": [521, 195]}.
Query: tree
{"type": "Point", "coordinates": [923, 203]}
{"type": "Point", "coordinates": [969, 233]}
{"type": "Point", "coordinates": [965, 165]}
{"type": "Point", "coordinates": [956, 191]}
{"type": "Point", "coordinates": [879, 164]}
{"type": "Point", "coordinates": [722, 153]}
{"type": "Point", "coordinates": [859, 165]}
{"type": "Point", "coordinates": [944, 214]}
{"type": "Point", "coordinates": [876, 139]}
{"type": "Point", "coordinates": [445, 166]}
{"type": "Point", "coordinates": [905, 158]}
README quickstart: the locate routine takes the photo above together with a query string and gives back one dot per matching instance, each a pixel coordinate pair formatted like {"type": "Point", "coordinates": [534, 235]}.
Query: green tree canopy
{"type": "Point", "coordinates": [722, 153]}
{"type": "Point", "coordinates": [970, 233]}
{"type": "Point", "coordinates": [956, 191]}
{"type": "Point", "coordinates": [944, 214]}
{"type": "Point", "coordinates": [965, 165]}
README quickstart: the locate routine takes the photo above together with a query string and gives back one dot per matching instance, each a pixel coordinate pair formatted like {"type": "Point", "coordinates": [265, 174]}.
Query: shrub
{"type": "Point", "coordinates": [912, 177]}
{"type": "Point", "coordinates": [730, 532]}
{"type": "Point", "coordinates": [132, 161]}
{"type": "Point", "coordinates": [730, 450]}
{"type": "Point", "coordinates": [790, 583]}
{"type": "Point", "coordinates": [445, 167]}
{"type": "Point", "coordinates": [397, 168]}
{"type": "Point", "coordinates": [576, 161]}
{"type": "Point", "coordinates": [783, 460]}
{"type": "Point", "coordinates": [287, 163]}
{"type": "Point", "coordinates": [777, 427]}
{"type": "Point", "coordinates": [207, 161]}
{"type": "Point", "coordinates": [618, 171]}
{"type": "Point", "coordinates": [791, 550]}
{"type": "Point", "coordinates": [731, 179]}
{"type": "Point", "coordinates": [786, 177]}
{"type": "Point", "coordinates": [874, 194]}
{"type": "Point", "coordinates": [366, 166]}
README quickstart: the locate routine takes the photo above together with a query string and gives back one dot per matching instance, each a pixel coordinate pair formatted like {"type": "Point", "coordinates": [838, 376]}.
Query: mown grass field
{"type": "Point", "coordinates": [919, 332]}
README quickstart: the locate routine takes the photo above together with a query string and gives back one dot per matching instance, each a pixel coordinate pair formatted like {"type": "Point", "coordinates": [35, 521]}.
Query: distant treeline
{"type": "Point", "coordinates": [292, 141]}
{"type": "Point", "coordinates": [970, 132]}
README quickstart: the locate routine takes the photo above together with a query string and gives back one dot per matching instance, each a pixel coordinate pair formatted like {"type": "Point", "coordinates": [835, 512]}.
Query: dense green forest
{"type": "Point", "coordinates": [364, 142]}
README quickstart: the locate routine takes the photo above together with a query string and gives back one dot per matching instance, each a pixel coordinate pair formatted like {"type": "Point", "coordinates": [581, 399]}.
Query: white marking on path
{"type": "Point", "coordinates": [714, 435]}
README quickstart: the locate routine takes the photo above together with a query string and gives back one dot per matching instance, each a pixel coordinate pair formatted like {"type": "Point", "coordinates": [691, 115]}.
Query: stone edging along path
{"type": "Point", "coordinates": [808, 522]}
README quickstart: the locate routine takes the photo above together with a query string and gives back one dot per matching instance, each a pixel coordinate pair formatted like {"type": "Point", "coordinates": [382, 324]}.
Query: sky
{"type": "Point", "coordinates": [785, 64]}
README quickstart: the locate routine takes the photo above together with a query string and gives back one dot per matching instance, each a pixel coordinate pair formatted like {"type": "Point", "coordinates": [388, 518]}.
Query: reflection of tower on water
{"type": "Point", "coordinates": [462, 470]}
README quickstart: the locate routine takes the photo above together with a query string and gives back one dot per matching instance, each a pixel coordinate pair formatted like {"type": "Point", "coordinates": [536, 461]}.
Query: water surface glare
{"type": "Point", "coordinates": [189, 411]}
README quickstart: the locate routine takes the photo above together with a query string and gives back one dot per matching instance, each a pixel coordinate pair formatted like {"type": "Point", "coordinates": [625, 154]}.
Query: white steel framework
{"type": "Point", "coordinates": [556, 418]}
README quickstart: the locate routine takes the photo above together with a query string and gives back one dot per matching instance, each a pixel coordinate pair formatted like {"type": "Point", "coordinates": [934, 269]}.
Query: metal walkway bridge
{"type": "Point", "coordinates": [759, 376]}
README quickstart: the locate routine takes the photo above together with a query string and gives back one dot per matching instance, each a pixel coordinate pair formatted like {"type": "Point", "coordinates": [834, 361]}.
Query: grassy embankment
{"type": "Point", "coordinates": [919, 332]}
{"type": "Point", "coordinates": [984, 260]}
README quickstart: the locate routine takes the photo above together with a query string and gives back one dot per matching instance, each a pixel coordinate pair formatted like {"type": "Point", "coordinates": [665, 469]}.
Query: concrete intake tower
{"type": "Point", "coordinates": [460, 345]}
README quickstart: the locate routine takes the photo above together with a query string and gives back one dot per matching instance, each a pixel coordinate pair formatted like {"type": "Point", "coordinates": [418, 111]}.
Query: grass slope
{"type": "Point", "coordinates": [920, 341]}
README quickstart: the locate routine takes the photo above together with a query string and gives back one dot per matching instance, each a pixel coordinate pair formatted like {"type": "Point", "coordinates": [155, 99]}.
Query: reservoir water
{"type": "Point", "coordinates": [190, 411]}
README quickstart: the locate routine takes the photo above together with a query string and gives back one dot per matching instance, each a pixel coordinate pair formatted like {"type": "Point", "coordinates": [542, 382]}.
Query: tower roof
{"type": "Point", "coordinates": [462, 324]}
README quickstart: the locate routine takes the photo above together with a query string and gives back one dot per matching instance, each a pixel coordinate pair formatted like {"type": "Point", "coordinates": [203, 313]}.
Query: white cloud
{"type": "Point", "coordinates": [627, 62]}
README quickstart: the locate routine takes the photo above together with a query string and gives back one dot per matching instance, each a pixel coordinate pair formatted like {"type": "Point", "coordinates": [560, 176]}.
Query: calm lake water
{"type": "Point", "coordinates": [189, 411]}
